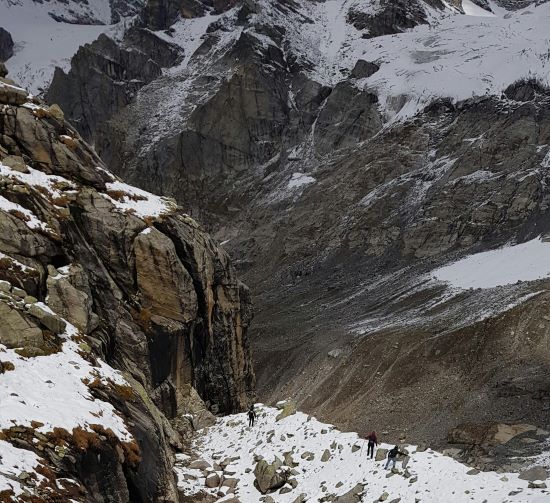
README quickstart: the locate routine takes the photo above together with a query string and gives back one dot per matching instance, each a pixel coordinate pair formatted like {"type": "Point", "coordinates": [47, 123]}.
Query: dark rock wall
{"type": "Point", "coordinates": [164, 306]}
{"type": "Point", "coordinates": [6, 45]}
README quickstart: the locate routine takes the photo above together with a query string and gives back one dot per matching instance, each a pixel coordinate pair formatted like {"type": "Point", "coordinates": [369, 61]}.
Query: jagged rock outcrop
{"type": "Point", "coordinates": [6, 44]}
{"type": "Point", "coordinates": [104, 78]}
{"type": "Point", "coordinates": [125, 8]}
{"type": "Point", "coordinates": [149, 291]}
{"type": "Point", "coordinates": [391, 16]}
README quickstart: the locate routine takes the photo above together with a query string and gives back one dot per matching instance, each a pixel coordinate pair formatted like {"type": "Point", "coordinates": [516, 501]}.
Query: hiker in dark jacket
{"type": "Point", "coordinates": [392, 456]}
{"type": "Point", "coordinates": [251, 415]}
{"type": "Point", "coordinates": [373, 440]}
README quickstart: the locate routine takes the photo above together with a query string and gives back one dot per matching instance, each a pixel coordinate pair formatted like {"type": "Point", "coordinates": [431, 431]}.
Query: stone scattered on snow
{"type": "Point", "coordinates": [269, 476]}
{"type": "Point", "coordinates": [348, 476]}
{"type": "Point", "coordinates": [199, 464]}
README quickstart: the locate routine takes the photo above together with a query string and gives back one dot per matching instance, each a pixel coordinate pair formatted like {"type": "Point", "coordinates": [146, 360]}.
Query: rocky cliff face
{"type": "Point", "coordinates": [341, 168]}
{"type": "Point", "coordinates": [93, 270]}
{"type": "Point", "coordinates": [105, 77]}
{"type": "Point", "coordinates": [6, 45]}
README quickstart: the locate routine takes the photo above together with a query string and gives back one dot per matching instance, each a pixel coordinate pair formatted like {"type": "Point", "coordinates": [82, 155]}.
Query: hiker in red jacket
{"type": "Point", "coordinates": [372, 442]}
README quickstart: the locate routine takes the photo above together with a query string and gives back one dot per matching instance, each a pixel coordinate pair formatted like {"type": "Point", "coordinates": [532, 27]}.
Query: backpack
{"type": "Point", "coordinates": [393, 453]}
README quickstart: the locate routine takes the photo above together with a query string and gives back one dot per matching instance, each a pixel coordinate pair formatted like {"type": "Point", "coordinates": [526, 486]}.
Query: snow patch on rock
{"type": "Point", "coordinates": [13, 463]}
{"type": "Point", "coordinates": [29, 218]}
{"type": "Point", "coordinates": [50, 390]}
{"type": "Point", "coordinates": [141, 203]}
{"type": "Point", "coordinates": [528, 261]}
{"type": "Point", "coordinates": [298, 180]}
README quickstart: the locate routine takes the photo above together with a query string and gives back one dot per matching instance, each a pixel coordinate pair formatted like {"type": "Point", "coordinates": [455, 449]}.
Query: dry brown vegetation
{"type": "Point", "coordinates": [6, 367]}
{"type": "Point", "coordinates": [149, 221]}
{"type": "Point", "coordinates": [124, 392]}
{"type": "Point", "coordinates": [117, 195]}
{"type": "Point", "coordinates": [143, 318]}
{"type": "Point", "coordinates": [19, 214]}
{"type": "Point", "coordinates": [84, 440]}
{"type": "Point", "coordinates": [61, 200]}
{"type": "Point", "coordinates": [6, 496]}
{"type": "Point", "coordinates": [132, 453]}
{"type": "Point", "coordinates": [7, 263]}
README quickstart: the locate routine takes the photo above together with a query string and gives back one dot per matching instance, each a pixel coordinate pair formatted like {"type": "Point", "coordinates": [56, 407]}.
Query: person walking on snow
{"type": "Point", "coordinates": [373, 440]}
{"type": "Point", "coordinates": [251, 415]}
{"type": "Point", "coordinates": [392, 457]}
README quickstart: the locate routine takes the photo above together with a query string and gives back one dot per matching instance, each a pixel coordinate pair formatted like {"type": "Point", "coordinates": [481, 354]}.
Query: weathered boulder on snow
{"type": "Point", "coordinates": [269, 476]}
{"type": "Point", "coordinates": [381, 454]}
{"type": "Point", "coordinates": [487, 433]}
{"type": "Point", "coordinates": [534, 473]}
{"type": "Point", "coordinates": [364, 69]}
{"type": "Point", "coordinates": [212, 480]}
{"type": "Point", "coordinates": [352, 496]}
{"type": "Point", "coordinates": [288, 409]}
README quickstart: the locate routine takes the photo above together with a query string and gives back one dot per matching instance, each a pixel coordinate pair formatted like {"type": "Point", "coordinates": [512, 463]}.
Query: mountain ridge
{"type": "Point", "coordinates": [341, 170]}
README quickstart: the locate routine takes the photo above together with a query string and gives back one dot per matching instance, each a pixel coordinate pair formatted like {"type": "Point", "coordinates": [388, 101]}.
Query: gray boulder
{"type": "Point", "coordinates": [269, 476]}
{"type": "Point", "coordinates": [17, 330]}
{"type": "Point", "coordinates": [534, 473]}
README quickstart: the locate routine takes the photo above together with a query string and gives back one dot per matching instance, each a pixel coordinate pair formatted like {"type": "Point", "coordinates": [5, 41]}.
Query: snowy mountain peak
{"type": "Point", "coordinates": [81, 12]}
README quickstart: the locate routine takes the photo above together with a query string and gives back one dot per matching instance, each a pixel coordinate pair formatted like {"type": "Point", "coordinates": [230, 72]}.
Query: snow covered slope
{"type": "Point", "coordinates": [455, 56]}
{"type": "Point", "coordinates": [528, 261]}
{"type": "Point", "coordinates": [42, 42]}
{"type": "Point", "coordinates": [73, 11]}
{"type": "Point", "coordinates": [48, 394]}
{"type": "Point", "coordinates": [327, 463]}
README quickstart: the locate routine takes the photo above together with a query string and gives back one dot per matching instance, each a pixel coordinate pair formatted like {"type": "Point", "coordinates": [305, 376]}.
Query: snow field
{"type": "Point", "coordinates": [438, 478]}
{"type": "Point", "coordinates": [41, 43]}
{"type": "Point", "coordinates": [528, 261]}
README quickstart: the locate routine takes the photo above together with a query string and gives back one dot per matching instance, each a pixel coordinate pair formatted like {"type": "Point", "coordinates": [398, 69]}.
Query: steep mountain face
{"type": "Point", "coordinates": [6, 45]}
{"type": "Point", "coordinates": [105, 76]}
{"type": "Point", "coordinates": [91, 271]}
{"type": "Point", "coordinates": [83, 12]}
{"type": "Point", "coordinates": [344, 152]}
